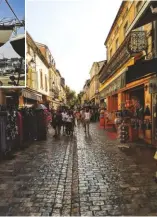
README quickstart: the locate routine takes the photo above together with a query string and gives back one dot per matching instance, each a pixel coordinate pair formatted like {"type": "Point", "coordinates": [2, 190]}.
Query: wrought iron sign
{"type": "Point", "coordinates": [137, 42]}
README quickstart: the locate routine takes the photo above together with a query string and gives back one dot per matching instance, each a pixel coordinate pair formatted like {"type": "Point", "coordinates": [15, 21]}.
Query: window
{"type": "Point", "coordinates": [110, 53]}
{"type": "Point", "coordinates": [41, 79]}
{"type": "Point", "coordinates": [125, 28]}
{"type": "Point", "coordinates": [116, 30]}
{"type": "Point", "coordinates": [46, 83]}
{"type": "Point", "coordinates": [138, 7]}
{"type": "Point", "coordinates": [117, 43]}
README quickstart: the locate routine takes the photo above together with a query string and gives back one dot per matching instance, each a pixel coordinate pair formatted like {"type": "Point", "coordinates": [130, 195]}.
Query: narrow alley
{"type": "Point", "coordinates": [84, 175]}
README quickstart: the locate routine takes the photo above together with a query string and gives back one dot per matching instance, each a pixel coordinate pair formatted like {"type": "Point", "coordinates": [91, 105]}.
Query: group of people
{"type": "Point", "coordinates": [69, 119]}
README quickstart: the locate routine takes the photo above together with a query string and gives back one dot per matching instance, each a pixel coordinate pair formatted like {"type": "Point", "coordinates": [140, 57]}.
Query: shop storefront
{"type": "Point", "coordinates": [137, 107]}
{"type": "Point", "coordinates": [129, 99]}
{"type": "Point", "coordinates": [9, 96]}
{"type": "Point", "coordinates": [109, 96]}
{"type": "Point", "coordinates": [29, 98]}
{"type": "Point", "coordinates": [20, 123]}
{"type": "Point", "coordinates": [153, 91]}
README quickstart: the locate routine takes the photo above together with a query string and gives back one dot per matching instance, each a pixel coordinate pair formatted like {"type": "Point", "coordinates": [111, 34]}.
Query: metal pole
{"type": "Point", "coordinates": [19, 72]}
{"type": "Point", "coordinates": [155, 37]}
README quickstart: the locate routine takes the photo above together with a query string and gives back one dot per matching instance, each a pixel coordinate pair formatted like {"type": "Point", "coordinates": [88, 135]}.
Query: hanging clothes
{"type": "Point", "coordinates": [11, 128]}
{"type": "Point", "coordinates": [20, 127]}
{"type": "Point", "coordinates": [3, 124]}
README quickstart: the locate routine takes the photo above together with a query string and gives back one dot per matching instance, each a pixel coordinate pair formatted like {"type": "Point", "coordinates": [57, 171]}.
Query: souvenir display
{"type": "Point", "coordinates": [123, 133]}
{"type": "Point", "coordinates": [118, 121]}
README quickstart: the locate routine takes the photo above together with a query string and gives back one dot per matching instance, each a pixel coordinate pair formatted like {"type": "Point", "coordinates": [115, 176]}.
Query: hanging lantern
{"type": "Point", "coordinates": [5, 33]}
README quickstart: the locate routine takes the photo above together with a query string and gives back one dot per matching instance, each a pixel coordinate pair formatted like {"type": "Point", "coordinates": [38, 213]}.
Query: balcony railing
{"type": "Point", "coordinates": [133, 44]}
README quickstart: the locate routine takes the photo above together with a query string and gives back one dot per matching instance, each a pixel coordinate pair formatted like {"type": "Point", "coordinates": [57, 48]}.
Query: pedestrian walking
{"type": "Point", "coordinates": [78, 118]}
{"type": "Point", "coordinates": [105, 118]}
{"type": "Point", "coordinates": [64, 113]}
{"type": "Point", "coordinates": [69, 123]}
{"type": "Point", "coordinates": [87, 117]}
{"type": "Point", "coordinates": [82, 116]}
{"type": "Point", "coordinates": [57, 122]}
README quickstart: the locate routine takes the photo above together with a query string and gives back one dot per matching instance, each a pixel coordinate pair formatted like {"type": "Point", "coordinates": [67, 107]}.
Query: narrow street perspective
{"type": "Point", "coordinates": [80, 139]}
{"type": "Point", "coordinates": [80, 175]}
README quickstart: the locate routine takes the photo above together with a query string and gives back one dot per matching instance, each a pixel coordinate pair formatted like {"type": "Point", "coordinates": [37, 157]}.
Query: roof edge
{"type": "Point", "coordinates": [117, 16]}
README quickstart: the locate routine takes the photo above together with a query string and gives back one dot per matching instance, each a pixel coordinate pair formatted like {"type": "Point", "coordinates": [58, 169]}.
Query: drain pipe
{"type": "Point", "coordinates": [155, 38]}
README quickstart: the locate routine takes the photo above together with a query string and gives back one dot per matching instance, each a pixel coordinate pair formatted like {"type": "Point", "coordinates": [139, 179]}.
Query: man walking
{"type": "Point", "coordinates": [57, 123]}
{"type": "Point", "coordinates": [64, 113]}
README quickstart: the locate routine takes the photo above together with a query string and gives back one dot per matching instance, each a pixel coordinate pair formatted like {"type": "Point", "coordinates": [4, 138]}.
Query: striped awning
{"type": "Point", "coordinates": [31, 95]}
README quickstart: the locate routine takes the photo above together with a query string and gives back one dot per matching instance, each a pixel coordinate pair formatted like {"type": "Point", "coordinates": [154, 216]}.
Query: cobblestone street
{"type": "Point", "coordinates": [83, 175]}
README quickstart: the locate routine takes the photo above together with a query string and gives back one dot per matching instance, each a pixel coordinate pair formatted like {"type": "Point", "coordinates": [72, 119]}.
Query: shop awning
{"type": "Point", "coordinates": [141, 69]}
{"type": "Point", "coordinates": [31, 95]}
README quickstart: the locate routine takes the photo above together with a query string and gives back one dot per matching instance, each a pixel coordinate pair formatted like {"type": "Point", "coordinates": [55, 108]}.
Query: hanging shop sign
{"type": "Point", "coordinates": [153, 86]}
{"type": "Point", "coordinates": [137, 42]}
{"type": "Point", "coordinates": [114, 86]}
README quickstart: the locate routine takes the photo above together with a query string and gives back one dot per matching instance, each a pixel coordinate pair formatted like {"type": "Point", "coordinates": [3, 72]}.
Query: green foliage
{"type": "Point", "coordinates": [70, 96]}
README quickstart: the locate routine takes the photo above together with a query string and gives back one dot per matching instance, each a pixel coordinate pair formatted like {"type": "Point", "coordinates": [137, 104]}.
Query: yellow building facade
{"type": "Point", "coordinates": [120, 81]}
{"type": "Point", "coordinates": [94, 82]}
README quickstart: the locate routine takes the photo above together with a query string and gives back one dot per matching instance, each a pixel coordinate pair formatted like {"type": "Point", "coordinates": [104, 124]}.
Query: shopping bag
{"type": "Point", "coordinates": [155, 156]}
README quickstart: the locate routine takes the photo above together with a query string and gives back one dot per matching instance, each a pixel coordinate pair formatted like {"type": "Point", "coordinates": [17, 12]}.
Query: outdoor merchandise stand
{"type": "Point", "coordinates": [18, 126]}
{"type": "Point", "coordinates": [8, 128]}
{"type": "Point", "coordinates": [137, 118]}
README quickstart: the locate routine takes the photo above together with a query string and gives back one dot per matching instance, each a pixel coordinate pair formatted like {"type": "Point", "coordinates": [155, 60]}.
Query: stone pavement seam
{"type": "Point", "coordinates": [75, 209]}
{"type": "Point", "coordinates": [56, 209]}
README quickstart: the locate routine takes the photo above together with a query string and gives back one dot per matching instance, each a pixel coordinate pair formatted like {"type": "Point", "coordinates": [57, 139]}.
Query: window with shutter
{"type": "Point", "coordinates": [125, 28]}
{"type": "Point", "coordinates": [41, 79]}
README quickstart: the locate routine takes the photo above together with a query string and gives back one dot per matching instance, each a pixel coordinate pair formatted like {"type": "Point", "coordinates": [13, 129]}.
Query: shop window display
{"type": "Point", "coordinates": [135, 115]}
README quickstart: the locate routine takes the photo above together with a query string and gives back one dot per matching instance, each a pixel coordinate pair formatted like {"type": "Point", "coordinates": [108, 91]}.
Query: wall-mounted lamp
{"type": "Point", "coordinates": [32, 63]}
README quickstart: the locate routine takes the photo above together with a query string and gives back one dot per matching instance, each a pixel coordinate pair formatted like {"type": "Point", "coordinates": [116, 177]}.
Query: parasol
{"type": "Point", "coordinates": [5, 33]}
{"type": "Point", "coordinates": [18, 44]}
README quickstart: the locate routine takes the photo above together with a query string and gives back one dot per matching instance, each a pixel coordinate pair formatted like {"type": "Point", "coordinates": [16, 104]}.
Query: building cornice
{"type": "Point", "coordinates": [115, 20]}
{"type": "Point", "coordinates": [35, 48]}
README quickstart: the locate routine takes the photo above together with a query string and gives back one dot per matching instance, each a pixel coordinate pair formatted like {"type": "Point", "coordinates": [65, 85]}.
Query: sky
{"type": "Point", "coordinates": [74, 31]}
{"type": "Point", "coordinates": [19, 8]}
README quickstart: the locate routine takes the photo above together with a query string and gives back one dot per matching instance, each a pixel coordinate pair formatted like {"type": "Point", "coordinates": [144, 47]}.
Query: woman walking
{"type": "Point", "coordinates": [57, 123]}
{"type": "Point", "coordinates": [78, 118]}
{"type": "Point", "coordinates": [87, 117]}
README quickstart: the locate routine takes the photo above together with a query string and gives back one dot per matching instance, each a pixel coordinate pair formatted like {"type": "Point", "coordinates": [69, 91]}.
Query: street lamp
{"type": "Point", "coordinates": [32, 63]}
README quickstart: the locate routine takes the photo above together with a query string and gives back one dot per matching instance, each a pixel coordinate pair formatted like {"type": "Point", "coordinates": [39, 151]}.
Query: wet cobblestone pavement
{"type": "Point", "coordinates": [83, 175]}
